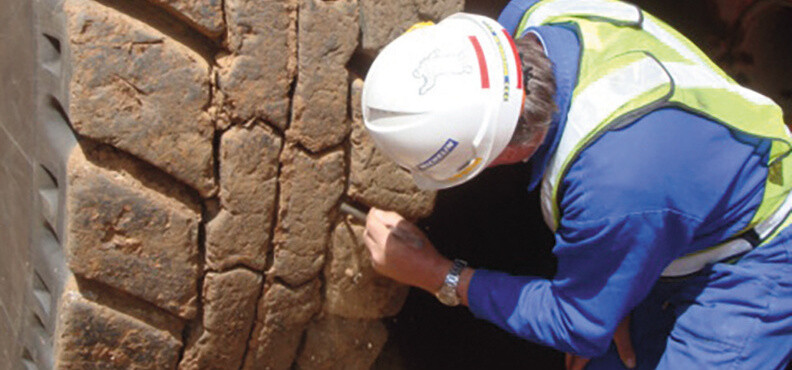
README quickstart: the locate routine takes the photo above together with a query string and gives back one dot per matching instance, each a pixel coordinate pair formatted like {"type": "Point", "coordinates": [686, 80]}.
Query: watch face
{"type": "Point", "coordinates": [447, 296]}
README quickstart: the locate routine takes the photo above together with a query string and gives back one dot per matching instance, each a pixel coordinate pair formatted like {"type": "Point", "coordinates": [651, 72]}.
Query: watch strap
{"type": "Point", "coordinates": [448, 291]}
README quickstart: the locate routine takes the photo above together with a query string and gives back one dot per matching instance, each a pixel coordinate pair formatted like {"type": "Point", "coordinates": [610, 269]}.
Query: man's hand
{"type": "Point", "coordinates": [400, 251]}
{"type": "Point", "coordinates": [623, 346]}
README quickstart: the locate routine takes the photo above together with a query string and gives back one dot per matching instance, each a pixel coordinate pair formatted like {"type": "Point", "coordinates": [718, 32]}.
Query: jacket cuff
{"type": "Point", "coordinates": [493, 295]}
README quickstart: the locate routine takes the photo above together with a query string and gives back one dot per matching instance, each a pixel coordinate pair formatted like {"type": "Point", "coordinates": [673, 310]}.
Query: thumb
{"type": "Point", "coordinates": [575, 362]}
{"type": "Point", "coordinates": [624, 343]}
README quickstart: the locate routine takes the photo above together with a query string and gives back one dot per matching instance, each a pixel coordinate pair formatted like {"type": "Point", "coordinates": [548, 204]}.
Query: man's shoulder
{"type": "Point", "coordinates": [513, 12]}
{"type": "Point", "coordinates": [663, 140]}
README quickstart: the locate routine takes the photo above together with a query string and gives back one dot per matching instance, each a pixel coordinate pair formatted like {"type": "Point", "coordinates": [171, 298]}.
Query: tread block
{"type": "Point", "coordinates": [136, 89]}
{"type": "Point", "coordinates": [255, 76]}
{"type": "Point", "coordinates": [229, 308]}
{"type": "Point", "coordinates": [352, 288]}
{"type": "Point", "coordinates": [333, 342]}
{"type": "Point", "coordinates": [205, 15]}
{"type": "Point", "coordinates": [382, 21]}
{"type": "Point", "coordinates": [283, 315]}
{"type": "Point", "coordinates": [93, 334]}
{"type": "Point", "coordinates": [131, 230]}
{"type": "Point", "coordinates": [328, 36]}
{"type": "Point", "coordinates": [240, 232]}
{"type": "Point", "coordinates": [310, 187]}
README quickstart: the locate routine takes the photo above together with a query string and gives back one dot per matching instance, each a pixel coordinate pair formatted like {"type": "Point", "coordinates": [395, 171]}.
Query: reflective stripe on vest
{"type": "Point", "coordinates": [599, 103]}
{"type": "Point", "coordinates": [631, 64]}
{"type": "Point", "coordinates": [696, 261]}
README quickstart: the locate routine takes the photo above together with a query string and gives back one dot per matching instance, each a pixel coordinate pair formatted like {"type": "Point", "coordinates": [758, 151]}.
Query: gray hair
{"type": "Point", "coordinates": [540, 87]}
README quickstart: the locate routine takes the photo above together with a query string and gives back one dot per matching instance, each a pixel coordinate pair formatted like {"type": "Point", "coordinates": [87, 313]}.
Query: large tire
{"type": "Point", "coordinates": [190, 158]}
{"type": "Point", "coordinates": [35, 142]}
{"type": "Point", "coordinates": [177, 168]}
{"type": "Point", "coordinates": [214, 151]}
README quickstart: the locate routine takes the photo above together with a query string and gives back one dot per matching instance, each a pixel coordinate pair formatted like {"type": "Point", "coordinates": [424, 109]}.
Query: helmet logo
{"type": "Point", "coordinates": [435, 65]}
{"type": "Point", "coordinates": [443, 152]}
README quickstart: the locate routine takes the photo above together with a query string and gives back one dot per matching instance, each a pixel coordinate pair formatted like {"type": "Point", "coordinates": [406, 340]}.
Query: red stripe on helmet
{"type": "Point", "coordinates": [481, 61]}
{"type": "Point", "coordinates": [516, 59]}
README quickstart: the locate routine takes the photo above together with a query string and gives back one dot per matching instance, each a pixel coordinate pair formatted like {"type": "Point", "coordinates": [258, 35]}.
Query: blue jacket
{"type": "Point", "coordinates": [669, 184]}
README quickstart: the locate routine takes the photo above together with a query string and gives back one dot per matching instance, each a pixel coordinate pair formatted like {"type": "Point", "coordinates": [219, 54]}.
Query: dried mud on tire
{"type": "Point", "coordinates": [216, 142]}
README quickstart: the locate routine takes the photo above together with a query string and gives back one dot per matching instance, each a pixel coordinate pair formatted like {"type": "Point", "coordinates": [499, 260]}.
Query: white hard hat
{"type": "Point", "coordinates": [442, 101]}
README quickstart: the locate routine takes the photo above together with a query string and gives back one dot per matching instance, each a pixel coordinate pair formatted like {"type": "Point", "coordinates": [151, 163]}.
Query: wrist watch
{"type": "Point", "coordinates": [447, 294]}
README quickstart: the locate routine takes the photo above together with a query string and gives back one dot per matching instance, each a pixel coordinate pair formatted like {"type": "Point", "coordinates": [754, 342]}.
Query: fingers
{"type": "Point", "coordinates": [376, 227]}
{"type": "Point", "coordinates": [382, 224]}
{"type": "Point", "coordinates": [369, 240]}
{"type": "Point", "coordinates": [374, 249]}
{"type": "Point", "coordinates": [390, 219]}
{"type": "Point", "coordinates": [409, 227]}
{"type": "Point", "coordinates": [575, 362]}
{"type": "Point", "coordinates": [624, 343]}
{"type": "Point", "coordinates": [623, 346]}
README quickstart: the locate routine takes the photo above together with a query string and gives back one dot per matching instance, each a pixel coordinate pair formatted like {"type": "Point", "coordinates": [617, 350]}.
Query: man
{"type": "Point", "coordinates": [666, 183]}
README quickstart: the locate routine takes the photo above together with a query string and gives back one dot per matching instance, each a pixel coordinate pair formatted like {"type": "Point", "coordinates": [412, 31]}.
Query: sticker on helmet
{"type": "Point", "coordinates": [517, 60]}
{"type": "Point", "coordinates": [503, 60]}
{"type": "Point", "coordinates": [481, 61]}
{"type": "Point", "coordinates": [475, 162]}
{"type": "Point", "coordinates": [435, 65]}
{"type": "Point", "coordinates": [436, 158]}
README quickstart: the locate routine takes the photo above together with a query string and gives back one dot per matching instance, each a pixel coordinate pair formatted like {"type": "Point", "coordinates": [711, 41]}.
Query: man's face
{"type": "Point", "coordinates": [515, 153]}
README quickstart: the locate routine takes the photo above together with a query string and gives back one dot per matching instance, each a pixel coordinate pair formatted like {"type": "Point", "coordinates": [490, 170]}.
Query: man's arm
{"type": "Point", "coordinates": [623, 223]}
{"type": "Point", "coordinates": [605, 268]}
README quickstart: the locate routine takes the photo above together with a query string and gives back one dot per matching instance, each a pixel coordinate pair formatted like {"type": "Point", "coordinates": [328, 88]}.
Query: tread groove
{"type": "Point", "coordinates": [125, 303]}
{"type": "Point", "coordinates": [253, 322]}
{"type": "Point", "coordinates": [174, 27]}
{"type": "Point", "coordinates": [156, 178]}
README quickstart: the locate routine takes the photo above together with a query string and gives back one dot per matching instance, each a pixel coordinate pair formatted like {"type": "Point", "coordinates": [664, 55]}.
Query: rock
{"type": "Point", "coordinates": [131, 229]}
{"type": "Point", "coordinates": [240, 233]}
{"type": "Point", "coordinates": [283, 315]}
{"type": "Point", "coordinates": [310, 187]}
{"type": "Point", "coordinates": [205, 16]}
{"type": "Point", "coordinates": [352, 288]}
{"type": "Point", "coordinates": [92, 335]}
{"type": "Point", "coordinates": [229, 307]}
{"type": "Point", "coordinates": [328, 34]}
{"type": "Point", "coordinates": [255, 78]}
{"type": "Point", "coordinates": [333, 342]}
{"type": "Point", "coordinates": [377, 181]}
{"type": "Point", "coordinates": [382, 21]}
{"type": "Point", "coordinates": [140, 91]}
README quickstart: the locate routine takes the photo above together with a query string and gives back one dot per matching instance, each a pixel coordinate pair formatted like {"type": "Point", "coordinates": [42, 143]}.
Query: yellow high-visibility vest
{"type": "Point", "coordinates": [633, 63]}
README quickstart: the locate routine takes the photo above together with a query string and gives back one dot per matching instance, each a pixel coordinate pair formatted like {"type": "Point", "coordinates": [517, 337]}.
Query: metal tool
{"type": "Point", "coordinates": [353, 211]}
{"type": "Point", "coordinates": [405, 235]}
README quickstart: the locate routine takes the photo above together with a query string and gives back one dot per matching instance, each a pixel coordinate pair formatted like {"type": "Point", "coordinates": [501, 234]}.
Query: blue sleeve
{"type": "Point", "coordinates": [513, 12]}
{"type": "Point", "coordinates": [630, 207]}
{"type": "Point", "coordinates": [601, 277]}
